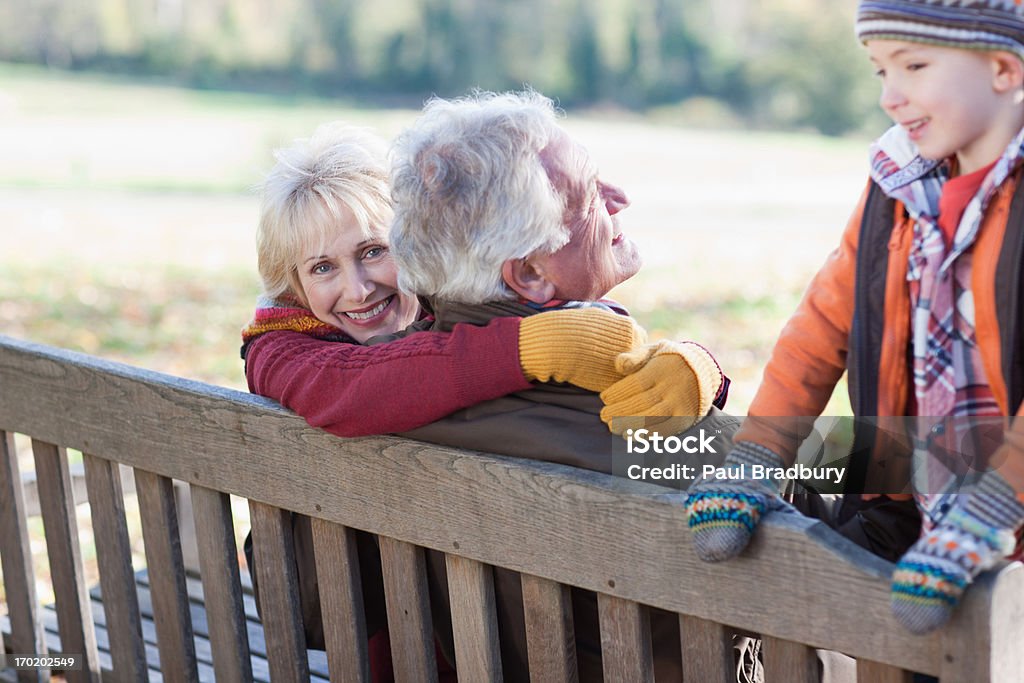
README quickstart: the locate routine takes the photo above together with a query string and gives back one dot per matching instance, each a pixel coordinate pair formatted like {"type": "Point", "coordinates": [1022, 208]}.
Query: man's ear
{"type": "Point", "coordinates": [526, 281]}
{"type": "Point", "coordinates": [1007, 71]}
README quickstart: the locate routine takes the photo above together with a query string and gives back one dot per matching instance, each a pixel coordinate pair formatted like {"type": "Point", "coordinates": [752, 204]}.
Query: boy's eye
{"type": "Point", "coordinates": [916, 66]}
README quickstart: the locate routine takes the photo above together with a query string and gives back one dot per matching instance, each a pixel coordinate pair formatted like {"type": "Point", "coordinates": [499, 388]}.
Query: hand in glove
{"type": "Point", "coordinates": [723, 513]}
{"type": "Point", "coordinates": [667, 386]}
{"type": "Point", "coordinates": [931, 577]}
{"type": "Point", "coordinates": [578, 346]}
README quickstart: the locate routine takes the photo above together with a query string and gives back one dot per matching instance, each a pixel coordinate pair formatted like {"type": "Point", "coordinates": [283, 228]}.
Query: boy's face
{"type": "Point", "coordinates": [947, 99]}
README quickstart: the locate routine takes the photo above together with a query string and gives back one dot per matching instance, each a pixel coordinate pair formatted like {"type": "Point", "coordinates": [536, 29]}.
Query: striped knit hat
{"type": "Point", "coordinates": [973, 24]}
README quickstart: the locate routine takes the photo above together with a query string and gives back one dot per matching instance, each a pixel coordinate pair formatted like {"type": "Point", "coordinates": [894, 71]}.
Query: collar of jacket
{"type": "Point", "coordinates": [447, 314]}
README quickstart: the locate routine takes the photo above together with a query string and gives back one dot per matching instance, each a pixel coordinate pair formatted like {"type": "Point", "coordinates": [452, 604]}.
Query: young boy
{"type": "Point", "coordinates": [922, 303]}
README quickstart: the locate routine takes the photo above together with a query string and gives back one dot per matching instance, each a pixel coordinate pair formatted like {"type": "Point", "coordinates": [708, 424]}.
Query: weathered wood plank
{"type": "Point", "coordinates": [982, 640]}
{"type": "Point", "coordinates": [625, 640]}
{"type": "Point", "coordinates": [167, 576]}
{"type": "Point", "coordinates": [408, 607]}
{"type": "Point", "coordinates": [873, 672]}
{"type": "Point", "coordinates": [237, 443]}
{"type": "Point", "coordinates": [707, 650]}
{"type": "Point", "coordinates": [341, 601]}
{"type": "Point", "coordinates": [222, 589]}
{"type": "Point", "coordinates": [114, 558]}
{"type": "Point", "coordinates": [474, 619]}
{"type": "Point", "coordinates": [550, 641]}
{"type": "Point", "coordinates": [787, 661]}
{"type": "Point", "coordinates": [60, 524]}
{"type": "Point", "coordinates": [16, 556]}
{"type": "Point", "coordinates": [279, 592]}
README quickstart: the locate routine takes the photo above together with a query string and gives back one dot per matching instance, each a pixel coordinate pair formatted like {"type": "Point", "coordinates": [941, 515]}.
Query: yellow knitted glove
{"type": "Point", "coordinates": [579, 346]}
{"type": "Point", "coordinates": [668, 386]}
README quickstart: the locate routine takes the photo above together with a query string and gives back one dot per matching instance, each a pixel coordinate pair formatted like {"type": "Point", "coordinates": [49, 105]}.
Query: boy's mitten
{"type": "Point", "coordinates": [932, 576]}
{"type": "Point", "coordinates": [577, 345]}
{"type": "Point", "coordinates": [724, 512]}
{"type": "Point", "coordinates": [668, 386]}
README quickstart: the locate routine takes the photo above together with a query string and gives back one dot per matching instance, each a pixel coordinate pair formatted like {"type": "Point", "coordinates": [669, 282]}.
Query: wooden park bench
{"type": "Point", "coordinates": [800, 586]}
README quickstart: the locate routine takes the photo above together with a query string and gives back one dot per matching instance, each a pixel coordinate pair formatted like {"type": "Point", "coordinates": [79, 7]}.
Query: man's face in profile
{"type": "Point", "coordinates": [598, 255]}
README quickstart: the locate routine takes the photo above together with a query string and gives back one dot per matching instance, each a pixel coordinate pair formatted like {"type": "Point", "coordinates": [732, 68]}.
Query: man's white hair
{"type": "Point", "coordinates": [307, 193]}
{"type": "Point", "coordinates": [471, 192]}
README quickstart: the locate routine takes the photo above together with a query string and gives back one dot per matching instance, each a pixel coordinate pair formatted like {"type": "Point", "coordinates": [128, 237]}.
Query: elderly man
{"type": "Point", "coordinates": [498, 212]}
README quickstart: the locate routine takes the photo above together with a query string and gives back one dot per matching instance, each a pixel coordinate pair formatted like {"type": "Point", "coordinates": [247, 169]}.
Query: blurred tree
{"type": "Point", "coordinates": [775, 62]}
{"type": "Point", "coordinates": [585, 55]}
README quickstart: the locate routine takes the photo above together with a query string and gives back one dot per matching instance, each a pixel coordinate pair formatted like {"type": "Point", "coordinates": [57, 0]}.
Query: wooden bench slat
{"type": "Point", "coordinates": [222, 588]}
{"type": "Point", "coordinates": [874, 672]}
{"type": "Point", "coordinates": [261, 670]}
{"type": "Point", "coordinates": [15, 554]}
{"type": "Point", "coordinates": [982, 644]}
{"type": "Point", "coordinates": [114, 559]}
{"type": "Point", "coordinates": [474, 619]}
{"type": "Point", "coordinates": [274, 557]}
{"type": "Point", "coordinates": [408, 607]}
{"type": "Point", "coordinates": [550, 641]}
{"type": "Point", "coordinates": [787, 661]}
{"type": "Point", "coordinates": [341, 601]}
{"type": "Point", "coordinates": [60, 524]}
{"type": "Point", "coordinates": [626, 653]}
{"type": "Point", "coordinates": [159, 518]}
{"type": "Point", "coordinates": [707, 650]}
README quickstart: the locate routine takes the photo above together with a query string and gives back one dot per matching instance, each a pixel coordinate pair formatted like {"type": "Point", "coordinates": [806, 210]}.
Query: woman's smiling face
{"type": "Point", "coordinates": [351, 283]}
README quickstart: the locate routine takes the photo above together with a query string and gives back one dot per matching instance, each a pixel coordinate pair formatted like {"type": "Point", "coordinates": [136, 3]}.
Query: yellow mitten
{"type": "Point", "coordinates": [578, 345]}
{"type": "Point", "coordinates": [668, 386]}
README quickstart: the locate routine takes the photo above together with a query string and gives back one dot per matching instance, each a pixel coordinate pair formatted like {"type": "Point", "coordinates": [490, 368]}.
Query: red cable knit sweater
{"type": "Point", "coordinates": [353, 390]}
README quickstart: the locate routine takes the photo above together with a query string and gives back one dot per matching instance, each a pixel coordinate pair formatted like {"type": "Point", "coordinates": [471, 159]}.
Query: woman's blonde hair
{"type": "Point", "coordinates": [312, 185]}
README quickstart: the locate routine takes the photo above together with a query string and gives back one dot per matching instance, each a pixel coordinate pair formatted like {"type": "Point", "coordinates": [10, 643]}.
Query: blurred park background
{"type": "Point", "coordinates": [132, 134]}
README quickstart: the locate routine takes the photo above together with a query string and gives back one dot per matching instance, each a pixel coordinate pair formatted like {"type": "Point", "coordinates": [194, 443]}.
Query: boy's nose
{"type": "Point", "coordinates": [891, 98]}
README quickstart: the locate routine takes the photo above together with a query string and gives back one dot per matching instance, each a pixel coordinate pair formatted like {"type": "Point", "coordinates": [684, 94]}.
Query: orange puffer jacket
{"type": "Point", "coordinates": [855, 317]}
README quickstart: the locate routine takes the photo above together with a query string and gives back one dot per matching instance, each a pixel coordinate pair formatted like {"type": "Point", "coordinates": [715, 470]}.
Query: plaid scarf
{"type": "Point", "coordinates": [287, 313]}
{"type": "Point", "coordinates": [949, 378]}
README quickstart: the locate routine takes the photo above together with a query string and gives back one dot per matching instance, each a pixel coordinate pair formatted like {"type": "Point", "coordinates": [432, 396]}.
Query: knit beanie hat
{"type": "Point", "coordinates": [972, 24]}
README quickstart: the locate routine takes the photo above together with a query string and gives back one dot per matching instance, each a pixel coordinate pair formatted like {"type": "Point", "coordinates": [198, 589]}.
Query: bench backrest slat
{"type": "Point", "coordinates": [341, 600]}
{"type": "Point", "coordinates": [60, 523]}
{"type": "Point", "coordinates": [785, 660]}
{"type": "Point", "coordinates": [114, 559]}
{"type": "Point", "coordinates": [707, 650]}
{"type": "Point", "coordinates": [222, 588]}
{"type": "Point", "coordinates": [166, 568]}
{"type": "Point", "coordinates": [551, 645]}
{"type": "Point", "coordinates": [274, 557]}
{"type": "Point", "coordinates": [16, 555]}
{"type": "Point", "coordinates": [625, 640]}
{"type": "Point", "coordinates": [408, 606]}
{"type": "Point", "coordinates": [474, 619]}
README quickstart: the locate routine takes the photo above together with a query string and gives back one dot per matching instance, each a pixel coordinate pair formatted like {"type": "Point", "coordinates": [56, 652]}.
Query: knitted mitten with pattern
{"type": "Point", "coordinates": [723, 512]}
{"type": "Point", "coordinates": [931, 577]}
